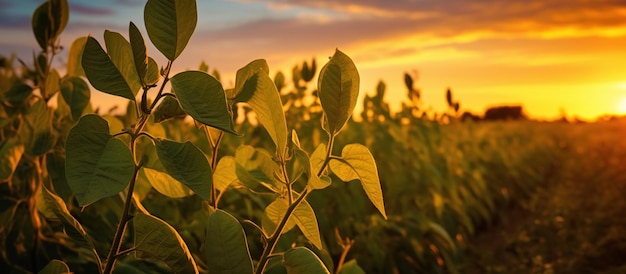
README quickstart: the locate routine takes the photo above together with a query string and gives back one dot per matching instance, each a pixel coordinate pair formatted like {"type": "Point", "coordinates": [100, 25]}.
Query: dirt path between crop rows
{"type": "Point", "coordinates": [576, 224]}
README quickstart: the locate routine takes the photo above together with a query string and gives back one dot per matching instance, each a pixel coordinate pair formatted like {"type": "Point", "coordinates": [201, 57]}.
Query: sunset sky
{"type": "Point", "coordinates": [546, 55]}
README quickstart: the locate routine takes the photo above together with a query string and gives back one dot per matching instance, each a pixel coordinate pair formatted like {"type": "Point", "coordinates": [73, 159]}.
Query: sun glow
{"type": "Point", "coordinates": [621, 108]}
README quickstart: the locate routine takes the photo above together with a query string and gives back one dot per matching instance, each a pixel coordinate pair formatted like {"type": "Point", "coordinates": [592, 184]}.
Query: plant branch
{"type": "Point", "coordinates": [121, 227]}
{"type": "Point", "coordinates": [166, 79]}
{"type": "Point", "coordinates": [273, 240]}
{"type": "Point", "coordinates": [215, 146]}
{"type": "Point", "coordinates": [329, 150]}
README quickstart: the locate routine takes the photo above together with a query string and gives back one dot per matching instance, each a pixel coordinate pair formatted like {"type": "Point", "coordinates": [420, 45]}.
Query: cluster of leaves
{"type": "Point", "coordinates": [92, 174]}
{"type": "Point", "coordinates": [193, 199]}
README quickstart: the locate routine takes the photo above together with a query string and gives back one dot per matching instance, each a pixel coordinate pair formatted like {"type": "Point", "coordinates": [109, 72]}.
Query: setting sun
{"type": "Point", "coordinates": [621, 107]}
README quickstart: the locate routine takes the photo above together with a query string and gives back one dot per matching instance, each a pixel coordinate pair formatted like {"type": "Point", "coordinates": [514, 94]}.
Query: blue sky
{"type": "Point", "coordinates": [547, 55]}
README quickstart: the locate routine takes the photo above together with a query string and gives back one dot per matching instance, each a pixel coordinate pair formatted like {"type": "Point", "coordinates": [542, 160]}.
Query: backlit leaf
{"type": "Point", "coordinates": [11, 151]}
{"type": "Point", "coordinates": [97, 165]}
{"type": "Point", "coordinates": [202, 97]}
{"type": "Point", "coordinates": [274, 213]}
{"type": "Point", "coordinates": [52, 83]}
{"type": "Point", "coordinates": [170, 24]}
{"type": "Point", "coordinates": [187, 164]}
{"type": "Point", "coordinates": [102, 73]}
{"type": "Point", "coordinates": [301, 260]}
{"type": "Point", "coordinates": [36, 130]}
{"type": "Point", "coordinates": [266, 103]}
{"type": "Point", "coordinates": [121, 54]}
{"type": "Point", "coordinates": [75, 57]}
{"type": "Point", "coordinates": [158, 239]}
{"type": "Point", "coordinates": [226, 250]}
{"type": "Point", "coordinates": [358, 163]}
{"type": "Point", "coordinates": [246, 79]}
{"type": "Point", "coordinates": [55, 267]}
{"type": "Point", "coordinates": [225, 173]}
{"type": "Point", "coordinates": [76, 94]}
{"type": "Point", "coordinates": [305, 219]}
{"type": "Point", "coordinates": [53, 208]}
{"type": "Point", "coordinates": [338, 87]}
{"type": "Point", "coordinates": [165, 184]}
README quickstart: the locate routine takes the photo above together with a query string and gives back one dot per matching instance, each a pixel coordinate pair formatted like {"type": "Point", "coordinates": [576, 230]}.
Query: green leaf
{"type": "Point", "coordinates": [140, 55]}
{"type": "Point", "coordinates": [49, 20]}
{"type": "Point", "coordinates": [97, 165]}
{"type": "Point", "coordinates": [225, 173]}
{"type": "Point", "coordinates": [338, 87]}
{"type": "Point", "coordinates": [187, 164]}
{"type": "Point", "coordinates": [202, 97]}
{"type": "Point", "coordinates": [274, 213]}
{"type": "Point", "coordinates": [102, 72]}
{"type": "Point", "coordinates": [55, 267]}
{"type": "Point", "coordinates": [75, 57]}
{"type": "Point", "coordinates": [55, 163]}
{"type": "Point", "coordinates": [36, 129]}
{"type": "Point", "coordinates": [152, 74]}
{"type": "Point", "coordinates": [158, 239]}
{"type": "Point", "coordinates": [312, 165]}
{"type": "Point", "coordinates": [17, 94]}
{"type": "Point", "coordinates": [301, 260]}
{"type": "Point", "coordinates": [76, 93]}
{"type": "Point", "coordinates": [266, 103]}
{"type": "Point", "coordinates": [167, 109]}
{"type": "Point", "coordinates": [439, 230]}
{"type": "Point", "coordinates": [303, 216]}
{"type": "Point", "coordinates": [164, 183]}
{"type": "Point", "coordinates": [11, 151]}
{"type": "Point", "coordinates": [121, 53]}
{"type": "Point", "coordinates": [52, 83]}
{"type": "Point", "coordinates": [226, 250]}
{"type": "Point", "coordinates": [351, 267]}
{"type": "Point", "coordinates": [170, 24]}
{"type": "Point", "coordinates": [53, 208]}
{"type": "Point", "coordinates": [247, 78]}
{"type": "Point", "coordinates": [305, 219]}
{"type": "Point", "coordinates": [255, 167]}
{"type": "Point", "coordinates": [358, 163]}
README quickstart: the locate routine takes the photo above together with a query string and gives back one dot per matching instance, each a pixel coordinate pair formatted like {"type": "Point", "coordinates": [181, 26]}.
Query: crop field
{"type": "Point", "coordinates": [276, 175]}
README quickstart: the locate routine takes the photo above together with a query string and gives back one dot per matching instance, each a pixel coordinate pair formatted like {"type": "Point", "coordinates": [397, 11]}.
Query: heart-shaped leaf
{"type": "Point", "coordinates": [97, 165]}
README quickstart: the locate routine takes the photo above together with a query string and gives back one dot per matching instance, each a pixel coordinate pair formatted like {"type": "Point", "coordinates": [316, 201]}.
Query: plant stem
{"type": "Point", "coordinates": [121, 227]}
{"type": "Point", "coordinates": [329, 150]}
{"type": "Point", "coordinates": [165, 80]}
{"type": "Point", "coordinates": [272, 241]}
{"type": "Point", "coordinates": [216, 148]}
{"type": "Point", "coordinates": [287, 182]}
